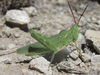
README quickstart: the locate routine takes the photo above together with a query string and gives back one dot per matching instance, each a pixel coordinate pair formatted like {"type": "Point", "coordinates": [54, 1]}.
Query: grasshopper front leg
{"type": "Point", "coordinates": [78, 49]}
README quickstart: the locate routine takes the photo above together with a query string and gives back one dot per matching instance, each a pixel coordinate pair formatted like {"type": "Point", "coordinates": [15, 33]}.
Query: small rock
{"type": "Point", "coordinates": [32, 11]}
{"type": "Point", "coordinates": [2, 47]}
{"type": "Point", "coordinates": [11, 45]}
{"type": "Point", "coordinates": [94, 37]}
{"type": "Point", "coordinates": [6, 31]}
{"type": "Point", "coordinates": [16, 35]}
{"type": "Point", "coordinates": [95, 62]}
{"type": "Point", "coordinates": [75, 62]}
{"type": "Point", "coordinates": [40, 64]}
{"type": "Point", "coordinates": [5, 59]}
{"type": "Point", "coordinates": [82, 64]}
{"type": "Point", "coordinates": [74, 55]}
{"type": "Point", "coordinates": [93, 19]}
{"type": "Point", "coordinates": [34, 24]}
{"type": "Point", "coordinates": [17, 17]}
{"type": "Point", "coordinates": [60, 2]}
{"type": "Point", "coordinates": [95, 59]}
{"type": "Point", "coordinates": [80, 39]}
{"type": "Point", "coordinates": [98, 22]}
{"type": "Point", "coordinates": [27, 72]}
{"type": "Point", "coordinates": [83, 21]}
{"type": "Point", "coordinates": [85, 57]}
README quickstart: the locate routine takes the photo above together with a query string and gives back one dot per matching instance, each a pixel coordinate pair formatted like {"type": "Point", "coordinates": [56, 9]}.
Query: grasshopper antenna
{"type": "Point", "coordinates": [72, 13]}
{"type": "Point", "coordinates": [74, 16]}
{"type": "Point", "coordinates": [82, 14]}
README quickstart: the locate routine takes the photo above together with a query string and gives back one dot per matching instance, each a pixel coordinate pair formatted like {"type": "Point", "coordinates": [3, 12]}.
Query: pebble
{"type": "Point", "coordinates": [32, 11]}
{"type": "Point", "coordinates": [6, 31]}
{"type": "Point", "coordinates": [16, 35]}
{"type": "Point", "coordinates": [2, 47]}
{"type": "Point", "coordinates": [80, 39]}
{"type": "Point", "coordinates": [34, 24]}
{"type": "Point", "coordinates": [17, 16]}
{"type": "Point", "coordinates": [5, 59]}
{"type": "Point", "coordinates": [11, 46]}
{"type": "Point", "coordinates": [74, 55]}
{"type": "Point", "coordinates": [85, 57]}
{"type": "Point", "coordinates": [75, 62]}
{"type": "Point", "coordinates": [83, 21]}
{"type": "Point", "coordinates": [40, 64]}
{"type": "Point", "coordinates": [95, 59]}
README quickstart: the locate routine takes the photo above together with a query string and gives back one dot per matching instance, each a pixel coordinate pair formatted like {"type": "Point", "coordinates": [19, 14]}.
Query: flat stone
{"type": "Point", "coordinates": [94, 37]}
{"type": "Point", "coordinates": [40, 64]}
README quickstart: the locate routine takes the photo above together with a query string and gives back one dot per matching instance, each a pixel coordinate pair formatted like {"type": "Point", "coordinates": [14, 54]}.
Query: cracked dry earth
{"type": "Point", "coordinates": [52, 17]}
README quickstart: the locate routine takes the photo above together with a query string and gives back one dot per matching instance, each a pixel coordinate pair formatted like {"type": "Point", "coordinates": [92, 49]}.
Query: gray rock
{"type": "Point", "coordinates": [75, 62]}
{"type": "Point", "coordinates": [17, 17]}
{"type": "Point", "coordinates": [40, 64]}
{"type": "Point", "coordinates": [32, 11]}
{"type": "Point", "coordinates": [95, 63]}
{"type": "Point", "coordinates": [98, 22]}
{"type": "Point", "coordinates": [94, 37]}
{"type": "Point", "coordinates": [5, 59]}
{"type": "Point", "coordinates": [95, 60]}
{"type": "Point", "coordinates": [6, 32]}
{"type": "Point", "coordinates": [60, 2]}
{"type": "Point", "coordinates": [83, 21]}
{"type": "Point", "coordinates": [70, 67]}
{"type": "Point", "coordinates": [85, 57]}
{"type": "Point", "coordinates": [16, 35]}
{"type": "Point", "coordinates": [11, 45]}
{"type": "Point", "coordinates": [34, 24]}
{"type": "Point", "coordinates": [74, 55]}
{"type": "Point", "coordinates": [80, 39]}
{"type": "Point", "coordinates": [2, 47]}
{"type": "Point", "coordinates": [82, 64]}
{"type": "Point", "coordinates": [30, 72]}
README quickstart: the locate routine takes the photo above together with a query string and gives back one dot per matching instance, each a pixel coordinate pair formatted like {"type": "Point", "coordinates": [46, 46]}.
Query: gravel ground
{"type": "Point", "coordinates": [52, 17]}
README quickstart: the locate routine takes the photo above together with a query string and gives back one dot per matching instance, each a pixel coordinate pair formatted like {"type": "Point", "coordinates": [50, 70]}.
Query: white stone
{"type": "Point", "coordinates": [80, 39]}
{"type": "Point", "coordinates": [16, 35]}
{"type": "Point", "coordinates": [83, 21]}
{"type": "Point", "coordinates": [85, 57]}
{"type": "Point", "coordinates": [74, 54]}
{"type": "Point", "coordinates": [40, 64]}
{"type": "Point", "coordinates": [82, 64]}
{"type": "Point", "coordinates": [32, 11]}
{"type": "Point", "coordinates": [5, 59]}
{"type": "Point", "coordinates": [95, 61]}
{"type": "Point", "coordinates": [94, 36]}
{"type": "Point", "coordinates": [6, 31]}
{"type": "Point", "coordinates": [11, 45]}
{"type": "Point", "coordinates": [75, 62]}
{"type": "Point", "coordinates": [17, 17]}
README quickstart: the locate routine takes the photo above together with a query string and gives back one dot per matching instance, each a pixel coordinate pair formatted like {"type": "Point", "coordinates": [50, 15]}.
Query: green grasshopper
{"type": "Point", "coordinates": [54, 43]}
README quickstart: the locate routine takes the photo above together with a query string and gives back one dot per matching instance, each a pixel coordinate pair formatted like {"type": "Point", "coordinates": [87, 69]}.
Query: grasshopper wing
{"type": "Point", "coordinates": [33, 49]}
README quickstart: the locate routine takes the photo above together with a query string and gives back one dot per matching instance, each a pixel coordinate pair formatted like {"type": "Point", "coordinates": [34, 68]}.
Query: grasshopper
{"type": "Point", "coordinates": [54, 43]}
